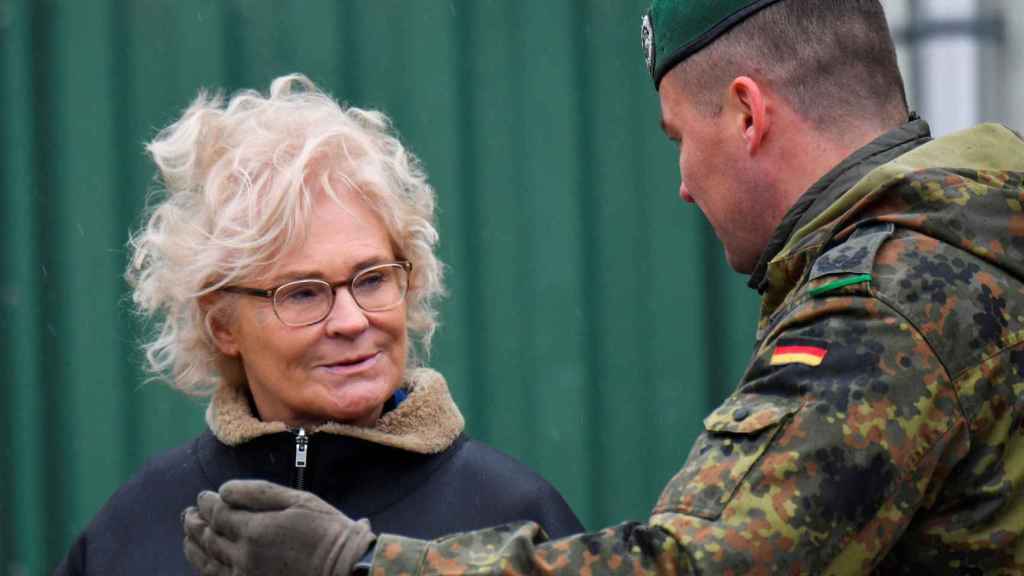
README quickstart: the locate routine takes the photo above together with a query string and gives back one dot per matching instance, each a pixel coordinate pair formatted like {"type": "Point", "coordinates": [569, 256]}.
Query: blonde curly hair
{"type": "Point", "coordinates": [238, 183]}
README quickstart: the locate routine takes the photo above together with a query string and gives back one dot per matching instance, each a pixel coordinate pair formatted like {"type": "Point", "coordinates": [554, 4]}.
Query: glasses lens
{"type": "Point", "coordinates": [380, 288]}
{"type": "Point", "coordinates": [302, 302]}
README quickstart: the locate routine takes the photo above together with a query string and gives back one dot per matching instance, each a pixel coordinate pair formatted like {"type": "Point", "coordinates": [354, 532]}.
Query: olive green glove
{"type": "Point", "coordinates": [255, 527]}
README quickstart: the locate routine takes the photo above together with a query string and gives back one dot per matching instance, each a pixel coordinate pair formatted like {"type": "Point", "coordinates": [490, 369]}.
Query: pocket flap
{"type": "Point", "coordinates": [746, 413]}
{"type": "Point", "coordinates": [736, 434]}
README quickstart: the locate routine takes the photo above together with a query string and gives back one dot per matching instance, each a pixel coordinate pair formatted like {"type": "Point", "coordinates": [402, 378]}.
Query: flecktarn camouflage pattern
{"type": "Point", "coordinates": [880, 426]}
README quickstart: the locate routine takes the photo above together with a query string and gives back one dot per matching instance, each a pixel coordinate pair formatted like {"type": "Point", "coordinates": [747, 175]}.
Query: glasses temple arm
{"type": "Point", "coordinates": [250, 291]}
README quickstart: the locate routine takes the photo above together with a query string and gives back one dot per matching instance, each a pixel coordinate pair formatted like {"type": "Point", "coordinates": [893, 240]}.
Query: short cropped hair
{"type": "Point", "coordinates": [832, 60]}
{"type": "Point", "coordinates": [238, 181]}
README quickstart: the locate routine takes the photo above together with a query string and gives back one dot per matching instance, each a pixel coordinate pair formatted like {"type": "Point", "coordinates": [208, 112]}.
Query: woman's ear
{"type": "Point", "coordinates": [219, 320]}
{"type": "Point", "coordinates": [747, 104]}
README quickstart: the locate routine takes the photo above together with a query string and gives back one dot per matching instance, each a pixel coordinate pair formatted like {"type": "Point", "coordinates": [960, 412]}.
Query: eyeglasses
{"type": "Point", "coordinates": [306, 302]}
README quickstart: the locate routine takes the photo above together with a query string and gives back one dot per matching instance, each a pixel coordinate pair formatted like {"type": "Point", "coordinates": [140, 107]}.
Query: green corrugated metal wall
{"type": "Point", "coordinates": [591, 321]}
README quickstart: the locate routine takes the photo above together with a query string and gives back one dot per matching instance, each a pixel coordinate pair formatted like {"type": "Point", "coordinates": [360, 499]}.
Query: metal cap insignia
{"type": "Point", "coordinates": [647, 41]}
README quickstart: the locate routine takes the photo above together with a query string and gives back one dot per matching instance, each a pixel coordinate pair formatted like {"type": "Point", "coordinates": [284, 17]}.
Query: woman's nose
{"type": "Point", "coordinates": [346, 317]}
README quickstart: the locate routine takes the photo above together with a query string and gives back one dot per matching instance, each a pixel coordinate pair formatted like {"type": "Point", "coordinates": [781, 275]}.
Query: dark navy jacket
{"type": "Point", "coordinates": [465, 487]}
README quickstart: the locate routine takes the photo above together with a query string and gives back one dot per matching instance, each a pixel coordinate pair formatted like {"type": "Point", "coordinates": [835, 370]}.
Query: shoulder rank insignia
{"type": "Point", "coordinates": [852, 258]}
{"type": "Point", "coordinates": [799, 351]}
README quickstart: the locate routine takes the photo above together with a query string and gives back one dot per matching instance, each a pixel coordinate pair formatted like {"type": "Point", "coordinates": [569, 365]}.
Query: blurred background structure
{"type": "Point", "coordinates": [592, 321]}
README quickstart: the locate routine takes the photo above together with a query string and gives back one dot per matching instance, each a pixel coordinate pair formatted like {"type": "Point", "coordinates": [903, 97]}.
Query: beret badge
{"type": "Point", "coordinates": [647, 41]}
{"type": "Point", "coordinates": [674, 30]}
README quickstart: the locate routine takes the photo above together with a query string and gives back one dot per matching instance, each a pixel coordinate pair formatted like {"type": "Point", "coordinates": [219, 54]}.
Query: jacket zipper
{"type": "Point", "coordinates": [301, 454]}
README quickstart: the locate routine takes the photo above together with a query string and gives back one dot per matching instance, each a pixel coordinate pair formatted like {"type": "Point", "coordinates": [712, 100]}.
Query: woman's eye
{"type": "Point", "coordinates": [371, 280]}
{"type": "Point", "coordinates": [302, 294]}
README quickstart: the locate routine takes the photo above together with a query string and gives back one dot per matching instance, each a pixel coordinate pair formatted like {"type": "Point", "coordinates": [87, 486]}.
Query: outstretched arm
{"type": "Point", "coordinates": [255, 527]}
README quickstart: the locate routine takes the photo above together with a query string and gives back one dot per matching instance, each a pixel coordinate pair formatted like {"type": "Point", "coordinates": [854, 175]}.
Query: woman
{"type": "Point", "coordinates": [291, 265]}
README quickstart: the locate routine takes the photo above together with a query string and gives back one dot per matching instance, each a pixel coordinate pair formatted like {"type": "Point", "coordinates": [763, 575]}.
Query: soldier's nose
{"type": "Point", "coordinates": [684, 193]}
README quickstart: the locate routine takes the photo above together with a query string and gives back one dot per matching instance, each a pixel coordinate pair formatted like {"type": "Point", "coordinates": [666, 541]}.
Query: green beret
{"type": "Point", "coordinates": [673, 30]}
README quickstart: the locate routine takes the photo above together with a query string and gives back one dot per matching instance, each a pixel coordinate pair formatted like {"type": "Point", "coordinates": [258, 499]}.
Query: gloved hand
{"type": "Point", "coordinates": [255, 527]}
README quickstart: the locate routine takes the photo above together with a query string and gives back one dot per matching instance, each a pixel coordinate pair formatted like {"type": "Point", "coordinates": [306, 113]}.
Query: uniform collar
{"type": "Point", "coordinates": [838, 180]}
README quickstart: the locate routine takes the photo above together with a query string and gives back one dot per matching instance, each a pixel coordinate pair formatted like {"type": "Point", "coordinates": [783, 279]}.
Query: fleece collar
{"type": "Point", "coordinates": [426, 422]}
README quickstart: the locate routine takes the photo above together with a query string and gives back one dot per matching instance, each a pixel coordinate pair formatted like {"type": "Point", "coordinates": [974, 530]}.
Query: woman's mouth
{"type": "Point", "coordinates": [351, 365]}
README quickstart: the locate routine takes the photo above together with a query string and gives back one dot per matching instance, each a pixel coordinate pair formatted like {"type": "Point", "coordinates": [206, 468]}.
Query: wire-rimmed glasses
{"type": "Point", "coordinates": [306, 302]}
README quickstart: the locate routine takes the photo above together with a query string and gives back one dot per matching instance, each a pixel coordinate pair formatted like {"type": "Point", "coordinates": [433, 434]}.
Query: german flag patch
{"type": "Point", "coordinates": [799, 351]}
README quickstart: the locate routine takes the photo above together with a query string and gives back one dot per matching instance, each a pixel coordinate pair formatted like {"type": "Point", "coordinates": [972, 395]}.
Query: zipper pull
{"type": "Point", "coordinates": [301, 442]}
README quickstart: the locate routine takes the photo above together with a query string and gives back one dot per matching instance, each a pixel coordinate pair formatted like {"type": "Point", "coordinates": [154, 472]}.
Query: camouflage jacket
{"type": "Point", "coordinates": [879, 427]}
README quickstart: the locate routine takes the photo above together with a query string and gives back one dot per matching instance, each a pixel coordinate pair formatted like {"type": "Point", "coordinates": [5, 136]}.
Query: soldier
{"type": "Point", "coordinates": [880, 425]}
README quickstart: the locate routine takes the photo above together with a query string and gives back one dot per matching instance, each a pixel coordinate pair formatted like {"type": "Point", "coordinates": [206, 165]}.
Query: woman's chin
{"type": "Point", "coordinates": [358, 404]}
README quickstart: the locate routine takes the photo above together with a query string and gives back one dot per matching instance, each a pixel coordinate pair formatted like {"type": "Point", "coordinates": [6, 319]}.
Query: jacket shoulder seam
{"type": "Point", "coordinates": [1017, 342]}
{"type": "Point", "coordinates": [931, 347]}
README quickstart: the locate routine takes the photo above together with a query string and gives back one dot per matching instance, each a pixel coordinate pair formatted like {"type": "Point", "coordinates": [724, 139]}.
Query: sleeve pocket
{"type": "Point", "coordinates": [735, 436]}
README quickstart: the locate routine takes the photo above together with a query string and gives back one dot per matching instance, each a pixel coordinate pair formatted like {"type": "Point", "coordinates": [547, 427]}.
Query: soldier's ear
{"type": "Point", "coordinates": [747, 109]}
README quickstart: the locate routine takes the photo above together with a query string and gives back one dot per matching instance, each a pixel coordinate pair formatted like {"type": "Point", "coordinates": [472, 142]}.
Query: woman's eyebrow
{"type": "Point", "coordinates": [293, 275]}
{"type": "Point", "coordinates": [312, 273]}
